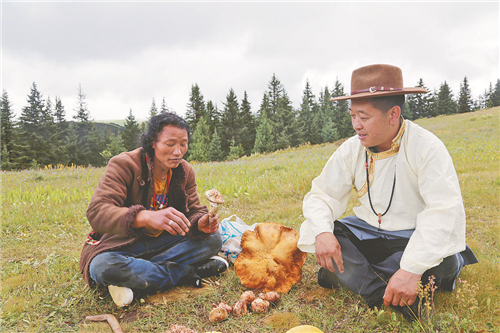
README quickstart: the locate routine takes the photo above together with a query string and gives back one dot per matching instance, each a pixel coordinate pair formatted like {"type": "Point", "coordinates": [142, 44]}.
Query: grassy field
{"type": "Point", "coordinates": [43, 226]}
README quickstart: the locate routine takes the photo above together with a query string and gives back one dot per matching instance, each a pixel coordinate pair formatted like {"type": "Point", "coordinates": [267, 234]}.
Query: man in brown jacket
{"type": "Point", "coordinates": [149, 229]}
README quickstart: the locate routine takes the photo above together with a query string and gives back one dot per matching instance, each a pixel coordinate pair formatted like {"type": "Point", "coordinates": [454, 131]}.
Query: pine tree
{"type": "Point", "coordinates": [97, 145]}
{"type": "Point", "coordinates": [465, 101]}
{"type": "Point", "coordinates": [114, 148]}
{"type": "Point", "coordinates": [153, 110]}
{"type": "Point", "coordinates": [495, 96]}
{"type": "Point", "coordinates": [329, 132]}
{"type": "Point", "coordinates": [282, 115]}
{"type": "Point", "coordinates": [444, 102]}
{"type": "Point", "coordinates": [420, 104]}
{"type": "Point", "coordinates": [201, 142]}
{"type": "Point", "coordinates": [215, 151]}
{"type": "Point", "coordinates": [30, 128]}
{"type": "Point", "coordinates": [305, 114]}
{"type": "Point", "coordinates": [48, 129]}
{"type": "Point", "coordinates": [60, 135]}
{"type": "Point", "coordinates": [274, 92]}
{"type": "Point", "coordinates": [164, 108]}
{"type": "Point", "coordinates": [7, 134]}
{"type": "Point", "coordinates": [342, 118]}
{"type": "Point", "coordinates": [247, 123]}
{"type": "Point", "coordinates": [131, 133]}
{"type": "Point", "coordinates": [235, 151]}
{"type": "Point", "coordinates": [213, 116]}
{"type": "Point", "coordinates": [230, 123]}
{"type": "Point", "coordinates": [83, 128]}
{"type": "Point", "coordinates": [286, 125]}
{"type": "Point", "coordinates": [195, 107]}
{"type": "Point", "coordinates": [264, 137]}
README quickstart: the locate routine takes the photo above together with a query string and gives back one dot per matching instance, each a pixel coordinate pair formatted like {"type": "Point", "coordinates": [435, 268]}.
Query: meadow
{"type": "Point", "coordinates": [43, 227]}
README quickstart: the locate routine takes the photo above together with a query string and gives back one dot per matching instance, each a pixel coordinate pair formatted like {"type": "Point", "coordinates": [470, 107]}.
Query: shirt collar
{"type": "Point", "coordinates": [395, 144]}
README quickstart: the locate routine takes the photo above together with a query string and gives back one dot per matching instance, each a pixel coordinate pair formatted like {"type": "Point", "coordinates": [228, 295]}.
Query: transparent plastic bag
{"type": "Point", "coordinates": [231, 230]}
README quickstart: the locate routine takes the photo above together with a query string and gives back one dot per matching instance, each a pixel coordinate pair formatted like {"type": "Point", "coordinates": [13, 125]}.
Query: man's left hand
{"type": "Point", "coordinates": [402, 288]}
{"type": "Point", "coordinates": [208, 226]}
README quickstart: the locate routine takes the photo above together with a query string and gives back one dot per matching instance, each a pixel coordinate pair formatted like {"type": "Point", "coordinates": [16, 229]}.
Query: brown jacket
{"type": "Point", "coordinates": [123, 191]}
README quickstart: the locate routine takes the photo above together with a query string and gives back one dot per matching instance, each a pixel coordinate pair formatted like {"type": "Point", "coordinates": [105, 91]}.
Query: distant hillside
{"type": "Point", "coordinates": [101, 127]}
{"type": "Point", "coordinates": [119, 122]}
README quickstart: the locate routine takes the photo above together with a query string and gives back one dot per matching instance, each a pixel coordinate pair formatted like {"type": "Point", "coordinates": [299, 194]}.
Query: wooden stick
{"type": "Point", "coordinates": [115, 326]}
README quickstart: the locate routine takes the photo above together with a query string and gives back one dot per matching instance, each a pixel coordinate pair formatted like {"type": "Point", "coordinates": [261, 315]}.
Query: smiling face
{"type": "Point", "coordinates": [374, 127]}
{"type": "Point", "coordinates": [170, 147]}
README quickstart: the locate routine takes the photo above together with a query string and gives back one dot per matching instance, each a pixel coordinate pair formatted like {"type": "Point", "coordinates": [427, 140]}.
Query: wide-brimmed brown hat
{"type": "Point", "coordinates": [377, 81]}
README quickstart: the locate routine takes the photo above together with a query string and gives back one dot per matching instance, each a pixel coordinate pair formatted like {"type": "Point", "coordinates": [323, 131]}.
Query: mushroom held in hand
{"type": "Point", "coordinates": [270, 259]}
{"type": "Point", "coordinates": [215, 199]}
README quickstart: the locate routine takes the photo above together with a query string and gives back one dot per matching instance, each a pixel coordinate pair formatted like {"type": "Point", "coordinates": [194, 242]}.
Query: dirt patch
{"type": "Point", "coordinates": [282, 320]}
{"type": "Point", "coordinates": [177, 294]}
{"type": "Point", "coordinates": [130, 317]}
{"type": "Point", "coordinates": [310, 294]}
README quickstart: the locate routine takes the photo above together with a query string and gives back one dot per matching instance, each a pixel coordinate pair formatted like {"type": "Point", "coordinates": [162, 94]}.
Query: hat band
{"type": "Point", "coordinates": [374, 89]}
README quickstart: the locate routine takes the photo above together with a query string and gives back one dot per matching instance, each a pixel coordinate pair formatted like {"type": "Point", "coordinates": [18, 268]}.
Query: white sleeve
{"type": "Point", "coordinates": [326, 201]}
{"type": "Point", "coordinates": [440, 227]}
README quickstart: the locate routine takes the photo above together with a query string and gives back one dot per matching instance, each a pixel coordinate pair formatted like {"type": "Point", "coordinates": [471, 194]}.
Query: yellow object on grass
{"type": "Point", "coordinates": [304, 329]}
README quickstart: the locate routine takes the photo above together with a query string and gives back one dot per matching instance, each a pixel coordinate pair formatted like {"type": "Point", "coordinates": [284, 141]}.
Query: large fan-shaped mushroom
{"type": "Point", "coordinates": [270, 259]}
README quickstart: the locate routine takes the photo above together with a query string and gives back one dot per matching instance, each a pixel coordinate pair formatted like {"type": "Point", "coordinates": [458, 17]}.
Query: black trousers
{"type": "Point", "coordinates": [369, 264]}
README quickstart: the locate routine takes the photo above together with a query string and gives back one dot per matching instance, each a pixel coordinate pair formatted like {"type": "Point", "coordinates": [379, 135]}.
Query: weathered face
{"type": "Point", "coordinates": [374, 127]}
{"type": "Point", "coordinates": [170, 147]}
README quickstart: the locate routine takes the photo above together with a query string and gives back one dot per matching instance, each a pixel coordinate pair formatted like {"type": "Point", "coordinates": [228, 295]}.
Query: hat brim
{"type": "Point", "coordinates": [381, 93]}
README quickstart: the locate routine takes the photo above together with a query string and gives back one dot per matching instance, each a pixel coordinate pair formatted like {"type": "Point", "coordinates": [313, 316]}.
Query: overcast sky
{"type": "Point", "coordinates": [124, 54]}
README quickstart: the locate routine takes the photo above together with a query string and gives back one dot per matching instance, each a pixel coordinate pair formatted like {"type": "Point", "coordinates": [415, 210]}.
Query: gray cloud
{"type": "Point", "coordinates": [126, 53]}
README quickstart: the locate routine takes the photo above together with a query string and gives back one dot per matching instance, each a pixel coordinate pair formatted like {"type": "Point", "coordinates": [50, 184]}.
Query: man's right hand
{"type": "Point", "coordinates": [328, 249]}
{"type": "Point", "coordinates": [168, 219]}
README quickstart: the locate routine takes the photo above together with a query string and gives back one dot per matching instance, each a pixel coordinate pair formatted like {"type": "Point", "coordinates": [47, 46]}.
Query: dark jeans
{"type": "Point", "coordinates": [369, 264]}
{"type": "Point", "coordinates": [153, 263]}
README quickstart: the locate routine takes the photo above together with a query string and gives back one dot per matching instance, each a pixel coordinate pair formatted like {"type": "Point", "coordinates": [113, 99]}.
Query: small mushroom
{"type": "Point", "coordinates": [260, 305]}
{"type": "Point", "coordinates": [271, 296]}
{"type": "Point", "coordinates": [247, 297]}
{"type": "Point", "coordinates": [218, 314]}
{"type": "Point", "coordinates": [225, 306]}
{"type": "Point", "coordinates": [215, 199]}
{"type": "Point", "coordinates": [240, 308]}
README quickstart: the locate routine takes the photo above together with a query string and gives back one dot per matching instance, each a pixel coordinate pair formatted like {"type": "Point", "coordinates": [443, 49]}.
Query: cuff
{"type": "Point", "coordinates": [129, 221]}
{"type": "Point", "coordinates": [194, 232]}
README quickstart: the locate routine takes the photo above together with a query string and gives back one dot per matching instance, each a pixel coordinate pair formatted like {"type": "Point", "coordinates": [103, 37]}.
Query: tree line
{"type": "Point", "coordinates": [41, 135]}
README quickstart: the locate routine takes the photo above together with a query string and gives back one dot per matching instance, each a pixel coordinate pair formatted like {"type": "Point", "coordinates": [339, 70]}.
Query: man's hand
{"type": "Point", "coordinates": [208, 226]}
{"type": "Point", "coordinates": [168, 219]}
{"type": "Point", "coordinates": [328, 249]}
{"type": "Point", "coordinates": [402, 288]}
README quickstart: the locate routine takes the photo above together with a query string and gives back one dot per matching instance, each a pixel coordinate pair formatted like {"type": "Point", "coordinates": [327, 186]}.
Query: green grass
{"type": "Point", "coordinates": [43, 226]}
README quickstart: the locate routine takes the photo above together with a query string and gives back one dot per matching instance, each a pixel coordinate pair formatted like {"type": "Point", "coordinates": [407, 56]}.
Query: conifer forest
{"type": "Point", "coordinates": [42, 136]}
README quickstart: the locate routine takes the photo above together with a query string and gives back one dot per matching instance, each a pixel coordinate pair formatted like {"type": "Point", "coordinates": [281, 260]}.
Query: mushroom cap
{"type": "Point", "coordinates": [214, 196]}
{"type": "Point", "coordinates": [270, 259]}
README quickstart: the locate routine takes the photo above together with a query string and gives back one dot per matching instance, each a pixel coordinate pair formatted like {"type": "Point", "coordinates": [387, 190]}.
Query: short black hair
{"type": "Point", "coordinates": [155, 127]}
{"type": "Point", "coordinates": [385, 103]}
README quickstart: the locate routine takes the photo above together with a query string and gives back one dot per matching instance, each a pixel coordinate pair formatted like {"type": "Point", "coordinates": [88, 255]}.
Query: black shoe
{"type": "Point", "coordinates": [212, 267]}
{"type": "Point", "coordinates": [327, 279]}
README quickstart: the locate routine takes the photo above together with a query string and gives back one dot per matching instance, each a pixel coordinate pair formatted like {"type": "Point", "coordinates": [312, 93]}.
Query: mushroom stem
{"type": "Point", "coordinates": [115, 326]}
{"type": "Point", "coordinates": [214, 206]}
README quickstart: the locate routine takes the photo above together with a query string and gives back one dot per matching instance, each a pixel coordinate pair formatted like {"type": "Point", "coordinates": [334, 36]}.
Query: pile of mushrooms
{"type": "Point", "coordinates": [247, 301]}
